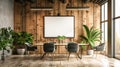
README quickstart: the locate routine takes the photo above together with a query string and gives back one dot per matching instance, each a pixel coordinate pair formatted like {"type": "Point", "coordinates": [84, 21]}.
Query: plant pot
{"type": "Point", "coordinates": [21, 51]}
{"type": "Point", "coordinates": [90, 52]}
{"type": "Point", "coordinates": [2, 55]}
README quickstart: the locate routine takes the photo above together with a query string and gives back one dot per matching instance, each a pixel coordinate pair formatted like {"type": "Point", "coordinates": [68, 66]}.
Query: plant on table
{"type": "Point", "coordinates": [61, 38]}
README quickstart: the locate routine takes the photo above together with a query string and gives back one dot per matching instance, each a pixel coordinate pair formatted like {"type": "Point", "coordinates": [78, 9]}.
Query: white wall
{"type": "Point", "coordinates": [6, 13]}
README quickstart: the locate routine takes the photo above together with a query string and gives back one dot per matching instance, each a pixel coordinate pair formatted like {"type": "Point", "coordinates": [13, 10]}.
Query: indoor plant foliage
{"type": "Point", "coordinates": [61, 38]}
{"type": "Point", "coordinates": [21, 38]}
{"type": "Point", "coordinates": [92, 35]}
{"type": "Point", "coordinates": [6, 39]}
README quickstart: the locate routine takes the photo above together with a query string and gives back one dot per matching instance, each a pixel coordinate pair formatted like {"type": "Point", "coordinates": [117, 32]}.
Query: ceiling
{"type": "Point", "coordinates": [100, 2]}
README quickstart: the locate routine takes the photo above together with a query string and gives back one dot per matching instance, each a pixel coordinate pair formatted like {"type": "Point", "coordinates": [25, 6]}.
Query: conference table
{"type": "Point", "coordinates": [58, 45]}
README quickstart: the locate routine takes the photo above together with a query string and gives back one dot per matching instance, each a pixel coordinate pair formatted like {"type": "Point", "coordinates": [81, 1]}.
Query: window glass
{"type": "Point", "coordinates": [106, 11]}
{"type": "Point", "coordinates": [117, 8]}
{"type": "Point", "coordinates": [103, 29]}
{"type": "Point", "coordinates": [106, 31]}
{"type": "Point", "coordinates": [102, 13]}
{"type": "Point", "coordinates": [117, 38]}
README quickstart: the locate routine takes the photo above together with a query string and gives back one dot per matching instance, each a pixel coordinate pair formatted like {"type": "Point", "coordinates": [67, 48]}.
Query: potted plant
{"type": "Point", "coordinates": [61, 38]}
{"type": "Point", "coordinates": [20, 39]}
{"type": "Point", "coordinates": [92, 35]}
{"type": "Point", "coordinates": [6, 40]}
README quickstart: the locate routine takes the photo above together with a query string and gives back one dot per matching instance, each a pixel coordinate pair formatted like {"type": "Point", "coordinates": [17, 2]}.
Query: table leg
{"type": "Point", "coordinates": [80, 50]}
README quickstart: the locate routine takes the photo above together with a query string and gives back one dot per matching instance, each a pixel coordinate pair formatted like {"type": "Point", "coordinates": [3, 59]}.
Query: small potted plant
{"type": "Point", "coordinates": [61, 38]}
{"type": "Point", "coordinates": [6, 40]}
{"type": "Point", "coordinates": [20, 39]}
{"type": "Point", "coordinates": [92, 35]}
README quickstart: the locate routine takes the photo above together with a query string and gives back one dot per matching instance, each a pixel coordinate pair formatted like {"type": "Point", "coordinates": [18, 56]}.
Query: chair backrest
{"type": "Point", "coordinates": [48, 47]}
{"type": "Point", "coordinates": [72, 47]}
{"type": "Point", "coordinates": [100, 47]}
{"type": "Point", "coordinates": [27, 44]}
{"type": "Point", "coordinates": [30, 47]}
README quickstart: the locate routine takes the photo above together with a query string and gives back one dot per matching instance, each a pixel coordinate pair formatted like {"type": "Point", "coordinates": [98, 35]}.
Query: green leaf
{"type": "Point", "coordinates": [87, 31]}
{"type": "Point", "coordinates": [92, 35]}
{"type": "Point", "coordinates": [5, 37]}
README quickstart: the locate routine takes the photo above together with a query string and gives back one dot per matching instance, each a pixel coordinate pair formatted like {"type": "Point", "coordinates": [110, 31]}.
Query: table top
{"type": "Point", "coordinates": [60, 44]}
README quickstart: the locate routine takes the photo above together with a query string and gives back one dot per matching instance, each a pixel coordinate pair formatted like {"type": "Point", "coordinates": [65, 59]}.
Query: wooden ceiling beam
{"type": "Point", "coordinates": [92, 0]}
{"type": "Point", "coordinates": [85, 1]}
{"type": "Point", "coordinates": [52, 1]}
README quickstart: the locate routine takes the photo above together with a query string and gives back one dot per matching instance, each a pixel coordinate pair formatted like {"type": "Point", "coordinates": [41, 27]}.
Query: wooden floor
{"type": "Point", "coordinates": [59, 61]}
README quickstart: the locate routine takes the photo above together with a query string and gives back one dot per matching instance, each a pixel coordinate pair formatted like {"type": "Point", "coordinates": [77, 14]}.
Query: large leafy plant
{"type": "Point", "coordinates": [6, 39]}
{"type": "Point", "coordinates": [92, 35]}
{"type": "Point", "coordinates": [20, 38]}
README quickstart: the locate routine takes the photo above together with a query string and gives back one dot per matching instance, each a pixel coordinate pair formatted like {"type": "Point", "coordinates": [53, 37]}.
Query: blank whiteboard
{"type": "Point", "coordinates": [58, 25]}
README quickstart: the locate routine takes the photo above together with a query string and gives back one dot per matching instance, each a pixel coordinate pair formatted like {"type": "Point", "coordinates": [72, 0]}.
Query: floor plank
{"type": "Point", "coordinates": [59, 61]}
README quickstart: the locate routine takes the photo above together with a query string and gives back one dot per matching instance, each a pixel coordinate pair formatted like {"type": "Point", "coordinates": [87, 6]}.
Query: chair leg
{"type": "Point", "coordinates": [76, 56]}
{"type": "Point", "coordinates": [68, 56]}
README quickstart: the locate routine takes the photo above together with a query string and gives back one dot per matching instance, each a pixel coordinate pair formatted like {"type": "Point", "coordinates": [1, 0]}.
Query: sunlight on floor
{"type": "Point", "coordinates": [60, 61]}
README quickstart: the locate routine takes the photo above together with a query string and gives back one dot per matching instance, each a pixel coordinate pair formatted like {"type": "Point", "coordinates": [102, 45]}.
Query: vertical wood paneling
{"type": "Point", "coordinates": [80, 17]}
{"type": "Point", "coordinates": [35, 19]}
{"type": "Point", "coordinates": [96, 16]}
{"type": "Point", "coordinates": [17, 20]}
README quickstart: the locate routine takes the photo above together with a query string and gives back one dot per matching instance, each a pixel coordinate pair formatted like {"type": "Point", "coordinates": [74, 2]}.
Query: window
{"type": "Point", "coordinates": [104, 23]}
{"type": "Point", "coordinates": [106, 11]}
{"type": "Point", "coordinates": [102, 16]}
{"type": "Point", "coordinates": [103, 29]}
{"type": "Point", "coordinates": [116, 28]}
{"type": "Point", "coordinates": [117, 38]}
{"type": "Point", "coordinates": [117, 8]}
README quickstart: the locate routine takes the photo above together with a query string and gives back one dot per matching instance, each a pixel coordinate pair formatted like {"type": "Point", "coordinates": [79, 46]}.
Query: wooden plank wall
{"type": "Point", "coordinates": [35, 19]}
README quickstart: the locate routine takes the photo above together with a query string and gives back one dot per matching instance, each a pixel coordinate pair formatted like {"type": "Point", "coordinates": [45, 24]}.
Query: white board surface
{"type": "Point", "coordinates": [58, 25]}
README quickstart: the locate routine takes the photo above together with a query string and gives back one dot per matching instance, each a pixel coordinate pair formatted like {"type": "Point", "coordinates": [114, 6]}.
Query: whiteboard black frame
{"type": "Point", "coordinates": [60, 16]}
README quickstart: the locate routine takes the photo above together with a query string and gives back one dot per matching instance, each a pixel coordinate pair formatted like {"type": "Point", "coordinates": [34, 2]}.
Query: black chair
{"type": "Point", "coordinates": [99, 48]}
{"type": "Point", "coordinates": [73, 48]}
{"type": "Point", "coordinates": [30, 48]}
{"type": "Point", "coordinates": [48, 48]}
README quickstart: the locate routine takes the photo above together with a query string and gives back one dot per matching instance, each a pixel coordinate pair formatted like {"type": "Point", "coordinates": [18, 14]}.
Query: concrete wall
{"type": "Point", "coordinates": [6, 13]}
{"type": "Point", "coordinates": [6, 16]}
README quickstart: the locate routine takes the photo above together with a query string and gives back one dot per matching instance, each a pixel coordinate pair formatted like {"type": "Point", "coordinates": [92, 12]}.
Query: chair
{"type": "Point", "coordinates": [72, 48]}
{"type": "Point", "coordinates": [48, 48]}
{"type": "Point", "coordinates": [99, 48]}
{"type": "Point", "coordinates": [30, 48]}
